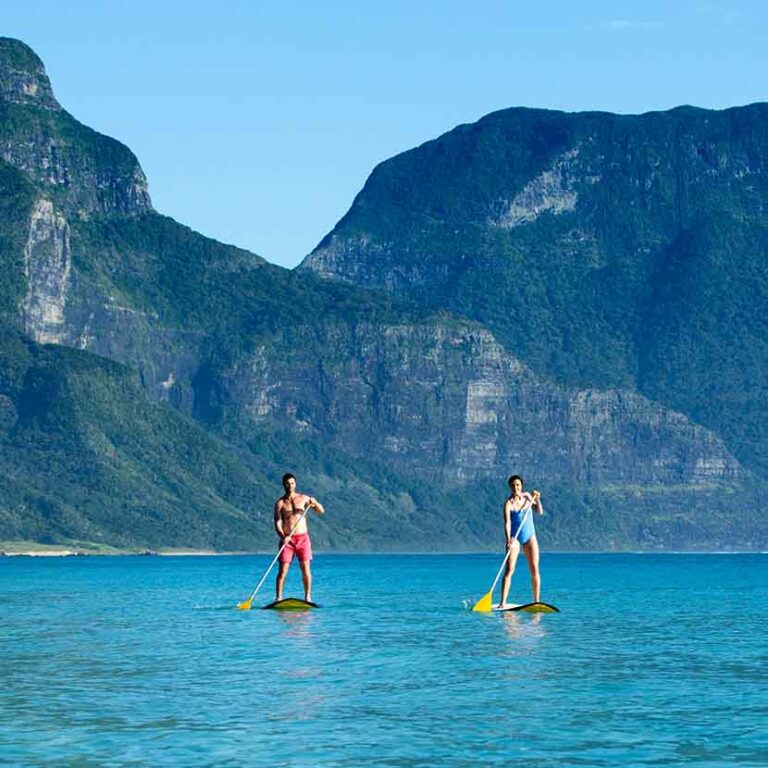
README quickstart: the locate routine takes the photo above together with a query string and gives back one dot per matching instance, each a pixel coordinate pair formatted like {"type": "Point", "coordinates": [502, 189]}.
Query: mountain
{"type": "Point", "coordinates": [130, 454]}
{"type": "Point", "coordinates": [155, 384]}
{"type": "Point", "coordinates": [608, 251]}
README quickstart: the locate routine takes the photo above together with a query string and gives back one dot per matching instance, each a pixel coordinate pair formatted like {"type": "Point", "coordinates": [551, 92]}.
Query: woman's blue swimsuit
{"type": "Point", "coordinates": [527, 532]}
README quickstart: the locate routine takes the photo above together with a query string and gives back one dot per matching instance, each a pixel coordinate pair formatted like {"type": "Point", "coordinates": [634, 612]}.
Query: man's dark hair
{"type": "Point", "coordinates": [288, 476]}
{"type": "Point", "coordinates": [513, 478]}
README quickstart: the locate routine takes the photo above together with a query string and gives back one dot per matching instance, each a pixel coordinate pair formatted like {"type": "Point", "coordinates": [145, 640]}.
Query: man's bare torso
{"type": "Point", "coordinates": [289, 509]}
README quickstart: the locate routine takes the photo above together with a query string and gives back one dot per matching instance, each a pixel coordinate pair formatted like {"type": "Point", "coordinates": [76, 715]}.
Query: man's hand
{"type": "Point", "coordinates": [316, 505]}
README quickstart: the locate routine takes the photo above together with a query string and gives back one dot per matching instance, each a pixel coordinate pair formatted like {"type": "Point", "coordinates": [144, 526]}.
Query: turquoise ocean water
{"type": "Point", "coordinates": [655, 660]}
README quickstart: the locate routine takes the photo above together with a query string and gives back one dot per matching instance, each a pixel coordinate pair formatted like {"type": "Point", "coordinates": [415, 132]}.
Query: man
{"type": "Point", "coordinates": [290, 520]}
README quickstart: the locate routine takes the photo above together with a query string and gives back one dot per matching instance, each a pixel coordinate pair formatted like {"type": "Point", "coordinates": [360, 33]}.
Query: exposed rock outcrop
{"type": "Point", "coordinates": [448, 402]}
{"type": "Point", "coordinates": [48, 266]}
{"type": "Point", "coordinates": [86, 173]}
{"type": "Point", "coordinates": [22, 76]}
{"type": "Point", "coordinates": [552, 191]}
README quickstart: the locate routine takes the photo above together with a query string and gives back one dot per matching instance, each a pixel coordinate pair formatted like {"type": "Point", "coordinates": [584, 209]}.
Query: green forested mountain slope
{"type": "Point", "coordinates": [85, 455]}
{"type": "Point", "coordinates": [16, 196]}
{"type": "Point", "coordinates": [603, 250]}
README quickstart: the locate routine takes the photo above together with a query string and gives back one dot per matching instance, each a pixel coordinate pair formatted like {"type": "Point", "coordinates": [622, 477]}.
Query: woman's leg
{"type": "Point", "coordinates": [531, 548]}
{"type": "Point", "coordinates": [507, 580]}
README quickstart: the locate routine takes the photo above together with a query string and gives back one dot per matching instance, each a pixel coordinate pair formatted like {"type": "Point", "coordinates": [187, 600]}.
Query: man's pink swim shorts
{"type": "Point", "coordinates": [299, 544]}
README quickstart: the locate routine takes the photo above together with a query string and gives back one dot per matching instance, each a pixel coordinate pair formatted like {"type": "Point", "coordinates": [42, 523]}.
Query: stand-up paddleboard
{"type": "Point", "coordinates": [527, 608]}
{"type": "Point", "coordinates": [291, 604]}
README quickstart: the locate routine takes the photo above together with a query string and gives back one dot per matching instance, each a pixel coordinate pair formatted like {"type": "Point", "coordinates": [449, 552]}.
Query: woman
{"type": "Point", "coordinates": [519, 531]}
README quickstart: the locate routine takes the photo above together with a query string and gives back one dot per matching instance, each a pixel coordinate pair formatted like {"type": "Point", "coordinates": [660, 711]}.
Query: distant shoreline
{"type": "Point", "coordinates": [82, 553]}
{"type": "Point", "coordinates": [30, 549]}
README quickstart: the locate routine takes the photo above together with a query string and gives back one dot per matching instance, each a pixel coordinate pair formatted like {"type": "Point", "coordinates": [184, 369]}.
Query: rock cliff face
{"type": "Point", "coordinates": [165, 358]}
{"type": "Point", "coordinates": [89, 174]}
{"type": "Point", "coordinates": [47, 268]}
{"type": "Point", "coordinates": [82, 176]}
{"type": "Point", "coordinates": [63, 306]}
{"type": "Point", "coordinates": [552, 191]}
{"type": "Point", "coordinates": [22, 78]}
{"type": "Point", "coordinates": [448, 403]}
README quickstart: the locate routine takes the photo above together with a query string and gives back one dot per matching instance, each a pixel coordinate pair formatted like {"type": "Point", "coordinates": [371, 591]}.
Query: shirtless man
{"type": "Point", "coordinates": [288, 510]}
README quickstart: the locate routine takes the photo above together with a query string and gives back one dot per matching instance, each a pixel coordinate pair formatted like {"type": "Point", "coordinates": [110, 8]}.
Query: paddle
{"type": "Point", "coordinates": [246, 604]}
{"type": "Point", "coordinates": [485, 603]}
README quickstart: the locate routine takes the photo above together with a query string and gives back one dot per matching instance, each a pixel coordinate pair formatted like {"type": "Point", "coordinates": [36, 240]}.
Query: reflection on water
{"type": "Point", "coordinates": [295, 624]}
{"type": "Point", "coordinates": [519, 625]}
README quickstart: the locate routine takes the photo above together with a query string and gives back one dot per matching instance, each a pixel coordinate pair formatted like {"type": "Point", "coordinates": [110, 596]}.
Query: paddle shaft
{"type": "Point", "coordinates": [509, 551]}
{"type": "Point", "coordinates": [279, 552]}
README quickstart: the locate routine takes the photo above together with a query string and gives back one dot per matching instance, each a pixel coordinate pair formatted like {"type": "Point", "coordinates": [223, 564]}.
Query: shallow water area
{"type": "Point", "coordinates": [653, 660]}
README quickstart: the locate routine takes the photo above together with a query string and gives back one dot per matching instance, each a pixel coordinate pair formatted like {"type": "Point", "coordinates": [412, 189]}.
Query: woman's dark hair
{"type": "Point", "coordinates": [515, 477]}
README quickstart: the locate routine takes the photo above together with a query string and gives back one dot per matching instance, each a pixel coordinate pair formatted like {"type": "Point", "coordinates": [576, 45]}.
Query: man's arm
{"type": "Point", "coordinates": [278, 520]}
{"type": "Point", "coordinates": [316, 505]}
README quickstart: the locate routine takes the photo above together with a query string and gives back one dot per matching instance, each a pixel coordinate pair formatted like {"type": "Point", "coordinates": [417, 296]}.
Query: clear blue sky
{"type": "Point", "coordinates": [258, 122]}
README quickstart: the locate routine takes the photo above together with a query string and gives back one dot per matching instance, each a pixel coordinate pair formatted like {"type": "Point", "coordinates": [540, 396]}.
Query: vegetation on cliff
{"type": "Point", "coordinates": [603, 250]}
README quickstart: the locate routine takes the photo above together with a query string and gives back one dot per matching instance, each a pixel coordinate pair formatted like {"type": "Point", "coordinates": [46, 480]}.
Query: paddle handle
{"type": "Point", "coordinates": [279, 552]}
{"type": "Point", "coordinates": [509, 551]}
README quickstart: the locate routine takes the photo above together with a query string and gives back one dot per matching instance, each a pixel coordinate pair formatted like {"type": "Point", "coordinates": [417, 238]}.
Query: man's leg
{"type": "Point", "coordinates": [507, 579]}
{"type": "Point", "coordinates": [306, 577]}
{"type": "Point", "coordinates": [282, 572]}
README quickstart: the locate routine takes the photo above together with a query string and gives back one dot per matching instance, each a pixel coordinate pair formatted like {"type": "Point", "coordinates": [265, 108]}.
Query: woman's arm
{"type": "Point", "coordinates": [508, 522]}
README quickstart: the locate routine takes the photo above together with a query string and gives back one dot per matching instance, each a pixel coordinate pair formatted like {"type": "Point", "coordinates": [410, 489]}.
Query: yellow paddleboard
{"type": "Point", "coordinates": [528, 608]}
{"type": "Point", "coordinates": [291, 604]}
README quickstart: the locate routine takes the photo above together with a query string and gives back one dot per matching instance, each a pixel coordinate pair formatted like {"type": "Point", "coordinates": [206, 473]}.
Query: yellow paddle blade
{"type": "Point", "coordinates": [245, 605]}
{"type": "Point", "coordinates": [484, 604]}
